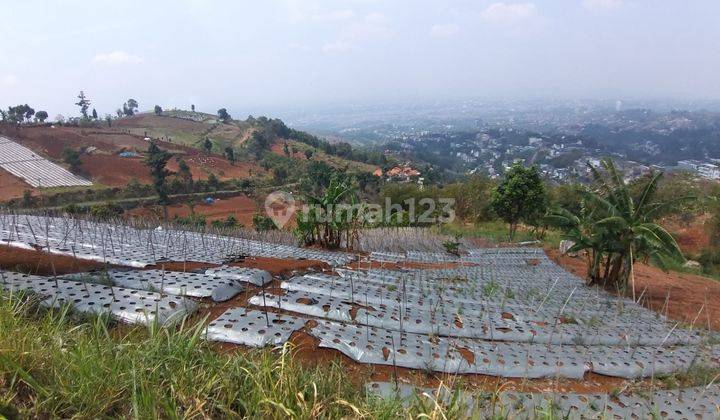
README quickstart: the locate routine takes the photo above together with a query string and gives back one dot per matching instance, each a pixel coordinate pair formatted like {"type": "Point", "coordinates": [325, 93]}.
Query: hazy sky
{"type": "Point", "coordinates": [269, 54]}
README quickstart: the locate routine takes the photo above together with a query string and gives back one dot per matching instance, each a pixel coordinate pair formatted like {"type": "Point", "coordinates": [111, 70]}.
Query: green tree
{"type": "Point", "coordinates": [223, 115]}
{"type": "Point", "coordinates": [158, 110]}
{"type": "Point", "coordinates": [520, 197]}
{"type": "Point", "coordinates": [185, 176]}
{"type": "Point", "coordinates": [258, 144]}
{"type": "Point", "coordinates": [19, 113]}
{"type": "Point", "coordinates": [192, 107]}
{"type": "Point", "coordinates": [286, 150]}
{"type": "Point", "coordinates": [28, 199]}
{"type": "Point", "coordinates": [156, 160]}
{"type": "Point", "coordinates": [207, 145]}
{"type": "Point", "coordinates": [213, 182]}
{"type": "Point", "coordinates": [41, 116]}
{"type": "Point", "coordinates": [280, 174]}
{"type": "Point", "coordinates": [230, 154]}
{"type": "Point", "coordinates": [29, 112]}
{"type": "Point", "coordinates": [94, 114]}
{"type": "Point", "coordinates": [132, 106]}
{"type": "Point", "coordinates": [472, 198]}
{"type": "Point", "coordinates": [84, 103]}
{"type": "Point", "coordinates": [72, 158]}
{"type": "Point", "coordinates": [616, 228]}
{"type": "Point", "coordinates": [308, 154]}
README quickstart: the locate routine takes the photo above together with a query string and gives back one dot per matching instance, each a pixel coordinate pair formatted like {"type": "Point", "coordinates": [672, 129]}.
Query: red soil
{"type": "Point", "coordinates": [279, 149]}
{"type": "Point", "coordinates": [42, 263]}
{"type": "Point", "coordinates": [115, 171]}
{"type": "Point", "coordinates": [691, 237]}
{"type": "Point", "coordinates": [242, 207]}
{"type": "Point", "coordinates": [12, 186]}
{"type": "Point", "coordinates": [683, 297]}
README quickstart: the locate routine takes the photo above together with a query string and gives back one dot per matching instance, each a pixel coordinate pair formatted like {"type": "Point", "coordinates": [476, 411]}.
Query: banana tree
{"type": "Point", "coordinates": [617, 229]}
{"type": "Point", "coordinates": [329, 215]}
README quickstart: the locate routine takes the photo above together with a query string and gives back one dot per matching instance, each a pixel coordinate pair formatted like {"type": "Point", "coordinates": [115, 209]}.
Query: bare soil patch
{"type": "Point", "coordinates": [691, 237]}
{"type": "Point", "coordinates": [42, 263]}
{"type": "Point", "coordinates": [683, 297]}
{"type": "Point", "coordinates": [283, 267]}
{"type": "Point", "coordinates": [242, 207]}
{"type": "Point", "coordinates": [115, 171]}
{"type": "Point", "coordinates": [12, 186]}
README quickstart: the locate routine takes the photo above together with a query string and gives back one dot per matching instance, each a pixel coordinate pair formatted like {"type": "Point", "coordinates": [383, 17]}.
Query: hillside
{"type": "Point", "coordinates": [191, 128]}
{"type": "Point", "coordinates": [112, 156]}
{"type": "Point", "coordinates": [187, 128]}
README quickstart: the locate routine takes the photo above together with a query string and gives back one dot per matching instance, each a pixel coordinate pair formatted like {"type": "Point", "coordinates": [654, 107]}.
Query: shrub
{"type": "Point", "coordinates": [263, 223]}
{"type": "Point", "coordinates": [105, 211]}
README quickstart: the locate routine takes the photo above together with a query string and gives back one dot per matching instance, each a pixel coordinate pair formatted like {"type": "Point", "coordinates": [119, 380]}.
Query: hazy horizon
{"type": "Point", "coordinates": [290, 54]}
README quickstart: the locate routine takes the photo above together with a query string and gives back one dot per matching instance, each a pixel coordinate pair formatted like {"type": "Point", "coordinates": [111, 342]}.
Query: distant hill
{"type": "Point", "coordinates": [112, 156]}
{"type": "Point", "coordinates": [187, 128]}
{"type": "Point", "coordinates": [191, 128]}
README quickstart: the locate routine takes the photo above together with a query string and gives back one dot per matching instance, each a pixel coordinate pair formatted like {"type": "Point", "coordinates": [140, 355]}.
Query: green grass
{"type": "Point", "coordinates": [497, 231]}
{"type": "Point", "coordinates": [54, 364]}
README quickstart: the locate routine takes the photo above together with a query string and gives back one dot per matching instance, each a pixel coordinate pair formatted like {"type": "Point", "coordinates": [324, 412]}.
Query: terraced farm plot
{"type": "Point", "coordinates": [502, 312]}
{"type": "Point", "coordinates": [33, 169]}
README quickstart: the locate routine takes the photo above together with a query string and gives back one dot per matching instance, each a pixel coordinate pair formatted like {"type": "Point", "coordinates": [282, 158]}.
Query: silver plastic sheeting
{"type": "Point", "coordinates": [688, 404]}
{"type": "Point", "coordinates": [178, 283]}
{"type": "Point", "coordinates": [320, 306]}
{"type": "Point", "coordinates": [488, 325]}
{"type": "Point", "coordinates": [377, 346]}
{"type": "Point", "coordinates": [451, 355]}
{"type": "Point", "coordinates": [127, 305]}
{"type": "Point", "coordinates": [427, 309]}
{"type": "Point", "coordinates": [473, 255]}
{"type": "Point", "coordinates": [253, 328]}
{"type": "Point", "coordinates": [242, 274]}
{"type": "Point", "coordinates": [125, 245]}
{"type": "Point", "coordinates": [34, 169]}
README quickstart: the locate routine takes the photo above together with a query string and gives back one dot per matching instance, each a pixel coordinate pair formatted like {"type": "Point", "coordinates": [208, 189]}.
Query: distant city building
{"type": "Point", "coordinates": [703, 169]}
{"type": "Point", "coordinates": [402, 173]}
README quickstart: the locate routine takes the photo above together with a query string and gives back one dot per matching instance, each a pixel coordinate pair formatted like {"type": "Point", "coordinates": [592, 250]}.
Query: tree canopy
{"type": "Point", "coordinates": [156, 160]}
{"type": "Point", "coordinates": [520, 197]}
{"type": "Point", "coordinates": [223, 115]}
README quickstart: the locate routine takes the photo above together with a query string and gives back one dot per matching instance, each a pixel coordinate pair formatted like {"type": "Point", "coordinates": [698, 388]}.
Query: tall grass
{"type": "Point", "coordinates": [53, 364]}
{"type": "Point", "coordinates": [497, 231]}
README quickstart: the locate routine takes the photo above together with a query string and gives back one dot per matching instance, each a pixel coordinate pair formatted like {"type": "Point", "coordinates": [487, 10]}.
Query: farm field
{"type": "Point", "coordinates": [106, 146]}
{"type": "Point", "coordinates": [33, 169]}
{"type": "Point", "coordinates": [501, 323]}
{"type": "Point", "coordinates": [241, 207]}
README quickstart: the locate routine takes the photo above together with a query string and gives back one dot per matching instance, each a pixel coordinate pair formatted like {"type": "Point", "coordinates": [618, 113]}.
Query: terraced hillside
{"type": "Point", "coordinates": [113, 157]}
